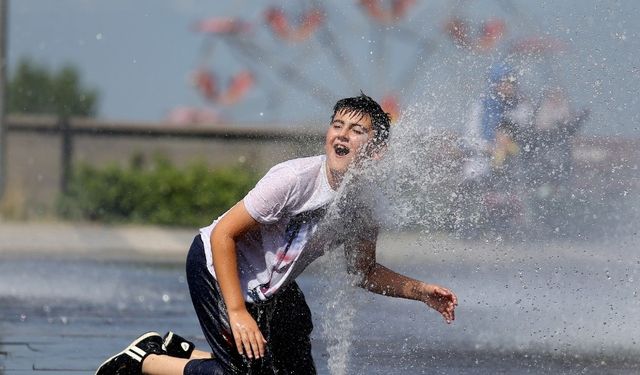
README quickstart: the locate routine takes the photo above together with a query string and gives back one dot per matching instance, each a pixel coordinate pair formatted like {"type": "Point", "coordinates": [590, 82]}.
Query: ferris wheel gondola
{"type": "Point", "coordinates": [280, 25]}
{"type": "Point", "coordinates": [305, 32]}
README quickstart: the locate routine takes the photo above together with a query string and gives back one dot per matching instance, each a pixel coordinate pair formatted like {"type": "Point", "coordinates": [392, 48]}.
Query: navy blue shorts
{"type": "Point", "coordinates": [284, 320]}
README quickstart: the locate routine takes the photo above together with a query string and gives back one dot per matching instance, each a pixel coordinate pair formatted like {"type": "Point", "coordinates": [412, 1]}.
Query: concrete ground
{"type": "Point", "coordinates": [67, 302]}
{"type": "Point", "coordinates": [154, 243]}
{"type": "Point", "coordinates": [98, 241]}
{"type": "Point", "coordinates": [33, 341]}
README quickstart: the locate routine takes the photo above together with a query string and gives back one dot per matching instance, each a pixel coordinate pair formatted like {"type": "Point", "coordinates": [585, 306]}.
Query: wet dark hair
{"type": "Point", "coordinates": [362, 106]}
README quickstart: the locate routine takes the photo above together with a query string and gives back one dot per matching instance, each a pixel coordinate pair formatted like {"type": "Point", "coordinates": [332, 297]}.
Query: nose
{"type": "Point", "coordinates": [343, 134]}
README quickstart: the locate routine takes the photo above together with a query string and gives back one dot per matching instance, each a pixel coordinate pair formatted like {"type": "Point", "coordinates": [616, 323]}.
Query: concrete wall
{"type": "Point", "coordinates": [32, 174]}
{"type": "Point", "coordinates": [35, 149]}
{"type": "Point", "coordinates": [35, 153]}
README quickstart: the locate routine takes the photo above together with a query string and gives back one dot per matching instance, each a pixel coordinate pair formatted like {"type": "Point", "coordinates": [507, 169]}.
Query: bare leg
{"type": "Point", "coordinates": [199, 354]}
{"type": "Point", "coordinates": [164, 365]}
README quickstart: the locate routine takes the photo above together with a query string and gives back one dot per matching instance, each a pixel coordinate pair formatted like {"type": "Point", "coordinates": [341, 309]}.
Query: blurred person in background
{"type": "Point", "coordinates": [485, 141]}
{"type": "Point", "coordinates": [555, 126]}
{"type": "Point", "coordinates": [488, 147]}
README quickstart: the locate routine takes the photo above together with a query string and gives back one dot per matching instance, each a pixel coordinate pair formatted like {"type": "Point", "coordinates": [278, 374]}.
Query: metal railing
{"type": "Point", "coordinates": [68, 128]}
{"type": "Point", "coordinates": [621, 155]}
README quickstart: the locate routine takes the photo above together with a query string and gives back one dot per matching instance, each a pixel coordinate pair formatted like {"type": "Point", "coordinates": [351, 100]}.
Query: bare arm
{"type": "Point", "coordinates": [245, 330]}
{"type": "Point", "coordinates": [361, 257]}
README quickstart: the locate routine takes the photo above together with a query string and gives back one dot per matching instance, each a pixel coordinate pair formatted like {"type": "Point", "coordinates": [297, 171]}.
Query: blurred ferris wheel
{"type": "Point", "coordinates": [323, 49]}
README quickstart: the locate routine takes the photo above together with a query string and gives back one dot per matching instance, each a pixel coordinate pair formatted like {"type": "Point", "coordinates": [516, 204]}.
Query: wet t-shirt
{"type": "Point", "coordinates": [288, 203]}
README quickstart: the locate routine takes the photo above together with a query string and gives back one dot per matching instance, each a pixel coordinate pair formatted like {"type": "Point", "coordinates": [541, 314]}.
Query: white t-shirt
{"type": "Point", "coordinates": [478, 163]}
{"type": "Point", "coordinates": [288, 203]}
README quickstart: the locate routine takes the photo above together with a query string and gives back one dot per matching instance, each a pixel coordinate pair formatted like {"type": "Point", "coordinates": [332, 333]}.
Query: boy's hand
{"type": "Point", "coordinates": [442, 300]}
{"type": "Point", "coordinates": [246, 333]}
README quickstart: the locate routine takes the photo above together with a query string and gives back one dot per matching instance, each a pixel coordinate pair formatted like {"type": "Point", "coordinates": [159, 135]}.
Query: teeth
{"type": "Point", "coordinates": [341, 150]}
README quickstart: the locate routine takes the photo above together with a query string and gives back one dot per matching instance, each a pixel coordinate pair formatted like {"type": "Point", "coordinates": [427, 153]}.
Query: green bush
{"type": "Point", "coordinates": [159, 194]}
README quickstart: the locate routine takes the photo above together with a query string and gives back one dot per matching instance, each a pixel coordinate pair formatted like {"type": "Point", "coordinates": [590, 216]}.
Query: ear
{"type": "Point", "coordinates": [379, 154]}
{"type": "Point", "coordinates": [376, 152]}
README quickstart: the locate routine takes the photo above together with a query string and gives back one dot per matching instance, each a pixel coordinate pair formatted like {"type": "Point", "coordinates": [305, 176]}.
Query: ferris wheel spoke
{"type": "Point", "coordinates": [288, 73]}
{"type": "Point", "coordinates": [427, 49]}
{"type": "Point", "coordinates": [345, 66]}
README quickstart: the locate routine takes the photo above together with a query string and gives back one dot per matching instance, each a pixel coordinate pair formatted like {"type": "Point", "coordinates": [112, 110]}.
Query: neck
{"type": "Point", "coordinates": [334, 178]}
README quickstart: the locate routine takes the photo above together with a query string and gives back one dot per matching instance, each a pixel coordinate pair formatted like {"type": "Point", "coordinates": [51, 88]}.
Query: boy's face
{"type": "Point", "coordinates": [347, 138]}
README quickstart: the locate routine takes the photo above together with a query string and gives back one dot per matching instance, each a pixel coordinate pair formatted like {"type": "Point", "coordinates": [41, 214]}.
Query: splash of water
{"type": "Point", "coordinates": [338, 314]}
{"type": "Point", "coordinates": [408, 187]}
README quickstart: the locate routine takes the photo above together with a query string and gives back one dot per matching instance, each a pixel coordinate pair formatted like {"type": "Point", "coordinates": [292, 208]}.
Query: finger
{"type": "Point", "coordinates": [445, 315]}
{"type": "Point", "coordinates": [238, 339]}
{"type": "Point", "coordinates": [454, 299]}
{"type": "Point", "coordinates": [449, 318]}
{"type": "Point", "coordinates": [246, 345]}
{"type": "Point", "coordinates": [261, 341]}
{"type": "Point", "coordinates": [254, 345]}
{"type": "Point", "coordinates": [451, 311]}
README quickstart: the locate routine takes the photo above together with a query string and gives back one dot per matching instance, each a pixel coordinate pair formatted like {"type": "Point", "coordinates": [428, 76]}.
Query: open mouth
{"type": "Point", "coordinates": [341, 150]}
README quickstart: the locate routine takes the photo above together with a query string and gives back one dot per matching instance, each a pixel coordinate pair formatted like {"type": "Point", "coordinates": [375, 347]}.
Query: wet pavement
{"type": "Point", "coordinates": [561, 307]}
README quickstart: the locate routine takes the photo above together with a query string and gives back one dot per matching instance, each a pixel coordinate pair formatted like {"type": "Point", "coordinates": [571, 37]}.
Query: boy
{"type": "Point", "coordinates": [241, 268]}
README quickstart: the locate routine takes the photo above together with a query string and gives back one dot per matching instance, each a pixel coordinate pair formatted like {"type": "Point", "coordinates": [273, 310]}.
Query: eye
{"type": "Point", "coordinates": [358, 130]}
